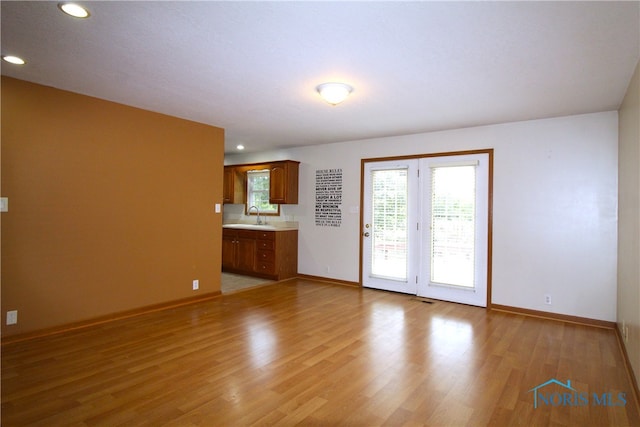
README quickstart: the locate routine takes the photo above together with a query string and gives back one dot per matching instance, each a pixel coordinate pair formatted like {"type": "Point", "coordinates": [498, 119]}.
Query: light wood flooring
{"type": "Point", "coordinates": [315, 354]}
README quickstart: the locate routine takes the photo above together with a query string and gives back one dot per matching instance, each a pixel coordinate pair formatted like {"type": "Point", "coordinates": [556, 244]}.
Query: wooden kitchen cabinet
{"type": "Point", "coordinates": [283, 182]}
{"type": "Point", "coordinates": [277, 254]}
{"type": "Point", "coordinates": [238, 249]}
{"type": "Point", "coordinates": [233, 187]}
{"type": "Point", "coordinates": [269, 254]}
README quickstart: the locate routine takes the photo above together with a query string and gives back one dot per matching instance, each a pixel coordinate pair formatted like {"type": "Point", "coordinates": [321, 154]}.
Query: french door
{"type": "Point", "coordinates": [425, 227]}
{"type": "Point", "coordinates": [389, 234]}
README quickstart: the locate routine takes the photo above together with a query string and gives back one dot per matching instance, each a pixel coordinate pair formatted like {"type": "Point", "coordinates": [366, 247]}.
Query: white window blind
{"type": "Point", "coordinates": [389, 224]}
{"type": "Point", "coordinates": [453, 208]}
{"type": "Point", "coordinates": [258, 191]}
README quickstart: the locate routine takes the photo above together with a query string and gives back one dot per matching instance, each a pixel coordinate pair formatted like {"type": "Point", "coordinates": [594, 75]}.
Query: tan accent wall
{"type": "Point", "coordinates": [629, 220]}
{"type": "Point", "coordinates": [111, 208]}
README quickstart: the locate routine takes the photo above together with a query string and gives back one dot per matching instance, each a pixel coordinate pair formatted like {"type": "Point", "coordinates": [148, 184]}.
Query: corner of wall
{"type": "Point", "coordinates": [628, 286]}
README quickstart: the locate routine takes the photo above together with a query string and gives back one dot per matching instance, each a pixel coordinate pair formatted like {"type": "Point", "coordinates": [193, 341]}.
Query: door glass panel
{"type": "Point", "coordinates": [453, 227]}
{"type": "Point", "coordinates": [389, 224]}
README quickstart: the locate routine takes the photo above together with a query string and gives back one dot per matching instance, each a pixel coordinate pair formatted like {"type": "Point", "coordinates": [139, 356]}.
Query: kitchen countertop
{"type": "Point", "coordinates": [259, 227]}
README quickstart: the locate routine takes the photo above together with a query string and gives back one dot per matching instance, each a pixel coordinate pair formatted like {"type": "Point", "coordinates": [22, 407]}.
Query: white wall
{"type": "Point", "coordinates": [554, 208]}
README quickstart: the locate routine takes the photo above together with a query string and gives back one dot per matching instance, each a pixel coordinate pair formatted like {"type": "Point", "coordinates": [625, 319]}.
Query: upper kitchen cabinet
{"type": "Point", "coordinates": [234, 185]}
{"type": "Point", "coordinates": [283, 182]}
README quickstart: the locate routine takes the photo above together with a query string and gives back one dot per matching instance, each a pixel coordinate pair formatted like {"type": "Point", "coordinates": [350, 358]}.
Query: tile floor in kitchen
{"type": "Point", "coordinates": [235, 282]}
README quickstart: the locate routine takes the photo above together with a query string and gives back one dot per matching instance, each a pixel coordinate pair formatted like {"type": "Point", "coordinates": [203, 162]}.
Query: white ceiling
{"type": "Point", "coordinates": [252, 67]}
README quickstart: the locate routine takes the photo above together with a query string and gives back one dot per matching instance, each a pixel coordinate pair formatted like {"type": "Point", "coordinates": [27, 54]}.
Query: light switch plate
{"type": "Point", "coordinates": [12, 317]}
{"type": "Point", "coordinates": [218, 208]}
{"type": "Point", "coordinates": [4, 204]}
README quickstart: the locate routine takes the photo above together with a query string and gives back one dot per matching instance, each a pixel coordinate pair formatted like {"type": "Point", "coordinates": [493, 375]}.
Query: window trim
{"type": "Point", "coordinates": [249, 192]}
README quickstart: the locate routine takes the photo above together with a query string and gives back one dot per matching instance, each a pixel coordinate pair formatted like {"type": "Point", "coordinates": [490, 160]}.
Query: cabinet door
{"type": "Point", "coordinates": [233, 187]}
{"type": "Point", "coordinates": [278, 184]}
{"type": "Point", "coordinates": [228, 250]}
{"type": "Point", "coordinates": [227, 185]}
{"type": "Point", "coordinates": [283, 183]}
{"type": "Point", "coordinates": [246, 254]}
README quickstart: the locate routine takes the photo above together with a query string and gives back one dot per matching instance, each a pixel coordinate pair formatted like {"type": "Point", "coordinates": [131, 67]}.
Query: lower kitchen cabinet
{"type": "Point", "coordinates": [268, 254]}
{"type": "Point", "coordinates": [237, 250]}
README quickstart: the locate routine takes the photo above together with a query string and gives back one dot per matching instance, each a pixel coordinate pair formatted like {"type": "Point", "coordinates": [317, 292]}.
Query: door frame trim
{"type": "Point", "coordinates": [489, 152]}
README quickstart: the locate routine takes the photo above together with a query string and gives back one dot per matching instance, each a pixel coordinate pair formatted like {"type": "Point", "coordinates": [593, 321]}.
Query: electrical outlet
{"type": "Point", "coordinates": [12, 317]}
{"type": "Point", "coordinates": [547, 299]}
{"type": "Point", "coordinates": [624, 331]}
{"type": "Point", "coordinates": [196, 285]}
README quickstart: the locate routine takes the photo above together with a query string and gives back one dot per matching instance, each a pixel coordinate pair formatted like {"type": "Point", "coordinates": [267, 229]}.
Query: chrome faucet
{"type": "Point", "coordinates": [257, 214]}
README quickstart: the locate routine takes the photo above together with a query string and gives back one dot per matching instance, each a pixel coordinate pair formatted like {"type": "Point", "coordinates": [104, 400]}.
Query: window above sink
{"type": "Point", "coordinates": [258, 193]}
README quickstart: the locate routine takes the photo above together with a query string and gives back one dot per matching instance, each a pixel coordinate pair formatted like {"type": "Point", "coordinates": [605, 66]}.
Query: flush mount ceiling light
{"type": "Point", "coordinates": [13, 59]}
{"type": "Point", "coordinates": [334, 93]}
{"type": "Point", "coordinates": [240, 147]}
{"type": "Point", "coordinates": [74, 10]}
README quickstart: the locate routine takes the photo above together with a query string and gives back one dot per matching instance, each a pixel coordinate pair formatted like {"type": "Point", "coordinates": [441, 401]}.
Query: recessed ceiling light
{"type": "Point", "coordinates": [240, 147]}
{"type": "Point", "coordinates": [13, 59]}
{"type": "Point", "coordinates": [74, 10]}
